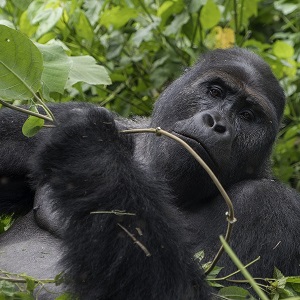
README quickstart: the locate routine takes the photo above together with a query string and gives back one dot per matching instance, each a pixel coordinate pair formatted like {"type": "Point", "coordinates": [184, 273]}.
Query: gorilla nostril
{"type": "Point", "coordinates": [208, 120]}
{"type": "Point", "coordinates": [219, 128]}
{"type": "Point", "coordinates": [215, 125]}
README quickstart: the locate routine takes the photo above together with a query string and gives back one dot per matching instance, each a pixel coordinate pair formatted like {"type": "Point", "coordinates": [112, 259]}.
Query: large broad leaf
{"type": "Point", "coordinates": [57, 67]}
{"type": "Point", "coordinates": [210, 15]}
{"type": "Point", "coordinates": [21, 65]}
{"type": "Point", "coordinates": [86, 69]}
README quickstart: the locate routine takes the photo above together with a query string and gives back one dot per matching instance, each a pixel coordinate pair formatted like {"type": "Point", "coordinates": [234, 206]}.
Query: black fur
{"type": "Point", "coordinates": [104, 262]}
{"type": "Point", "coordinates": [156, 206]}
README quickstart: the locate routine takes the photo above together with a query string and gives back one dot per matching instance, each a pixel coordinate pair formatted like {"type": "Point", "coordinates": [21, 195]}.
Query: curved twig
{"type": "Point", "coordinates": [230, 214]}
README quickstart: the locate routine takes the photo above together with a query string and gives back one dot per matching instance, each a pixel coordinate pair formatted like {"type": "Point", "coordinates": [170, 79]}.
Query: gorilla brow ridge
{"type": "Point", "coordinates": [234, 85]}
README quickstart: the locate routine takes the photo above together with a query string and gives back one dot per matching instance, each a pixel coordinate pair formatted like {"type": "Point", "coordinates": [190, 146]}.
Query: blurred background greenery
{"type": "Point", "coordinates": [145, 44]}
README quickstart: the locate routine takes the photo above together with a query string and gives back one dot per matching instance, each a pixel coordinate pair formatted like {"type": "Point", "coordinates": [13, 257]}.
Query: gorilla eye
{"type": "Point", "coordinates": [215, 92]}
{"type": "Point", "coordinates": [247, 115]}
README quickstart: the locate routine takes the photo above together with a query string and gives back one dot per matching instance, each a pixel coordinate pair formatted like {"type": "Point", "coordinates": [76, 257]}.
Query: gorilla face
{"type": "Point", "coordinates": [228, 107]}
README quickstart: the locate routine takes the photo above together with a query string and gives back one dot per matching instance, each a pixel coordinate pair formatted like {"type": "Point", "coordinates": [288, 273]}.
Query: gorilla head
{"type": "Point", "coordinates": [228, 107]}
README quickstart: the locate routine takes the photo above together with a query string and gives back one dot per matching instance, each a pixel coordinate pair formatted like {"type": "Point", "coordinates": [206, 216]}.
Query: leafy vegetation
{"type": "Point", "coordinates": [122, 53]}
{"type": "Point", "coordinates": [145, 44]}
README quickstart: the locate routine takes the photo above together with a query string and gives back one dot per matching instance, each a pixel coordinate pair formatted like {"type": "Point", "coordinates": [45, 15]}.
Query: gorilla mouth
{"type": "Point", "coordinates": [198, 147]}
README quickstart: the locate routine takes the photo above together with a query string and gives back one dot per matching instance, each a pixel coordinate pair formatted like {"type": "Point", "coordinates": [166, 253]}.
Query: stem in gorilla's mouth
{"type": "Point", "coordinates": [187, 137]}
{"type": "Point", "coordinates": [230, 214]}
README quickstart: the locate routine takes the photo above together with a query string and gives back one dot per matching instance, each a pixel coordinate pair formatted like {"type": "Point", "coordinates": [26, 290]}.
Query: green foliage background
{"type": "Point", "coordinates": [122, 53]}
{"type": "Point", "coordinates": [145, 44]}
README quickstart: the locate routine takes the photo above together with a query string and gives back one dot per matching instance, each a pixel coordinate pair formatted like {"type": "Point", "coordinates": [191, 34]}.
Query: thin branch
{"type": "Point", "coordinates": [234, 273]}
{"type": "Point", "coordinates": [235, 9]}
{"type": "Point", "coordinates": [244, 271]}
{"type": "Point", "coordinates": [135, 240]}
{"type": "Point", "coordinates": [26, 111]}
{"type": "Point", "coordinates": [113, 212]}
{"type": "Point", "coordinates": [21, 280]}
{"type": "Point", "coordinates": [45, 107]}
{"type": "Point", "coordinates": [14, 280]}
{"type": "Point", "coordinates": [230, 214]}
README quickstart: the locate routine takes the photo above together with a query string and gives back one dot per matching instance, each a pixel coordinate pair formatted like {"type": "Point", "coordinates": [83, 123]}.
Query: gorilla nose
{"type": "Point", "coordinates": [214, 121]}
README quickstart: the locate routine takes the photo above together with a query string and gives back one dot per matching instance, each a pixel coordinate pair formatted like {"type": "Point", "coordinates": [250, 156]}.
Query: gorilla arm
{"type": "Point", "coordinates": [268, 215]}
{"type": "Point", "coordinates": [135, 239]}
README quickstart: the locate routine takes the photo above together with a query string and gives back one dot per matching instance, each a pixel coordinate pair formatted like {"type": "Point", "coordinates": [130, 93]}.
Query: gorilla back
{"type": "Point", "coordinates": [130, 211]}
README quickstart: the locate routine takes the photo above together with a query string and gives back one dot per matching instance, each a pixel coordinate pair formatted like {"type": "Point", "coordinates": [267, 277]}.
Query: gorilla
{"type": "Point", "coordinates": [122, 215]}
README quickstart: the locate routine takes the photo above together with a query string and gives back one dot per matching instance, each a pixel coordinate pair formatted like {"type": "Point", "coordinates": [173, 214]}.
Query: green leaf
{"type": "Point", "coordinates": [59, 278]}
{"type": "Point", "coordinates": [210, 15]}
{"type": "Point", "coordinates": [177, 23]}
{"type": "Point", "coordinates": [21, 65]}
{"type": "Point", "coordinates": [281, 283]}
{"type": "Point", "coordinates": [146, 33]}
{"type": "Point", "coordinates": [294, 282]}
{"type": "Point", "coordinates": [212, 275]}
{"type": "Point", "coordinates": [249, 9]}
{"type": "Point", "coordinates": [290, 133]}
{"type": "Point", "coordinates": [22, 5]}
{"type": "Point", "coordinates": [251, 43]}
{"type": "Point", "coordinates": [23, 296]}
{"type": "Point", "coordinates": [30, 283]}
{"type": "Point", "coordinates": [277, 274]}
{"type": "Point", "coordinates": [117, 16]}
{"type": "Point", "coordinates": [215, 272]}
{"type": "Point", "coordinates": [25, 26]}
{"type": "Point", "coordinates": [7, 288]}
{"type": "Point", "coordinates": [32, 126]}
{"type": "Point", "coordinates": [282, 49]}
{"type": "Point", "coordinates": [293, 279]}
{"type": "Point", "coordinates": [286, 8]}
{"type": "Point", "coordinates": [160, 75]}
{"type": "Point", "coordinates": [85, 69]}
{"type": "Point", "coordinates": [57, 66]}
{"type": "Point", "coordinates": [65, 296]}
{"type": "Point", "coordinates": [46, 15]}
{"type": "Point", "coordinates": [92, 9]}
{"type": "Point", "coordinates": [7, 23]}
{"type": "Point", "coordinates": [169, 8]}
{"type": "Point", "coordinates": [5, 223]}
{"type": "Point", "coordinates": [83, 28]}
{"type": "Point", "coordinates": [195, 5]}
{"type": "Point", "coordinates": [235, 293]}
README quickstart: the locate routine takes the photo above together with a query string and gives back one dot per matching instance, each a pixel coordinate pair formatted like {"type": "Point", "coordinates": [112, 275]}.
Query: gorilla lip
{"type": "Point", "coordinates": [191, 140]}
